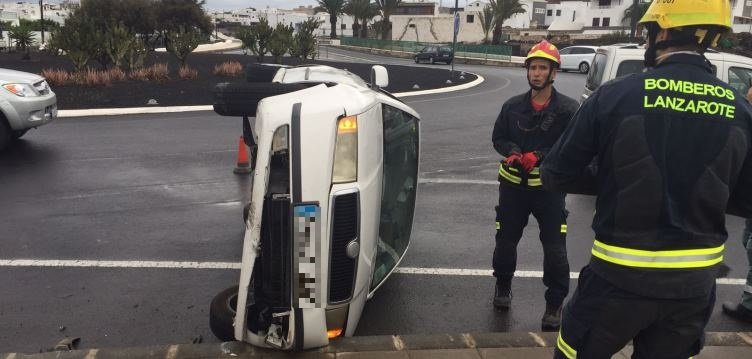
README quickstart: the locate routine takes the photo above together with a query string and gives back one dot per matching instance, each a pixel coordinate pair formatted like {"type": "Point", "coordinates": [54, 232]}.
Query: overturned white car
{"type": "Point", "coordinates": [332, 203]}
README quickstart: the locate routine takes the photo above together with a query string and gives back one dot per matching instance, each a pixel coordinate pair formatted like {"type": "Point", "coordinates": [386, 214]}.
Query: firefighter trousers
{"type": "Point", "coordinates": [600, 319]}
{"type": "Point", "coordinates": [515, 206]}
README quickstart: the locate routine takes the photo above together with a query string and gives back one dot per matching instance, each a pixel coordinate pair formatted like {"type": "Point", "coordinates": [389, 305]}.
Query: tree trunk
{"type": "Point", "coordinates": [633, 19]}
{"type": "Point", "coordinates": [496, 38]}
{"type": "Point", "coordinates": [355, 27]}
{"type": "Point", "coordinates": [333, 22]}
{"type": "Point", "coordinates": [386, 27]}
{"type": "Point", "coordinates": [364, 29]}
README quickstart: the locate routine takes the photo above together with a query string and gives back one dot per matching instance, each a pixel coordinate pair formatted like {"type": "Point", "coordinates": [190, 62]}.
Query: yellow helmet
{"type": "Point", "coordinates": [679, 13]}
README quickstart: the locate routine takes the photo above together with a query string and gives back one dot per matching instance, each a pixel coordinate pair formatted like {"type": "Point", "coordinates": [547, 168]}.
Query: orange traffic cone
{"type": "Point", "coordinates": [242, 165]}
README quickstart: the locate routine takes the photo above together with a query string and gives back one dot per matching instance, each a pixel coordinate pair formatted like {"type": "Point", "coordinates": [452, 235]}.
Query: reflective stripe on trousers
{"type": "Point", "coordinates": [684, 258]}
{"type": "Point", "coordinates": [565, 349]}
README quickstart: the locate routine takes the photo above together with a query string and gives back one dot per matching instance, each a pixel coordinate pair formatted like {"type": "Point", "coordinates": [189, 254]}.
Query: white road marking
{"type": "Point", "coordinates": [456, 181]}
{"type": "Point", "coordinates": [538, 340]}
{"type": "Point", "coordinates": [76, 263]}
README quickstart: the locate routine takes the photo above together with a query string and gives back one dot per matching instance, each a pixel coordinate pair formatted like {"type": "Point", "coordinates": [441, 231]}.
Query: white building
{"type": "Point", "coordinates": [249, 16]}
{"type": "Point", "coordinates": [13, 12]}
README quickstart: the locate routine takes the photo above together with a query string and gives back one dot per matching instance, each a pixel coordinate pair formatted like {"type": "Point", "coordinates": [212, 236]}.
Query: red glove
{"type": "Point", "coordinates": [528, 161]}
{"type": "Point", "coordinates": [513, 159]}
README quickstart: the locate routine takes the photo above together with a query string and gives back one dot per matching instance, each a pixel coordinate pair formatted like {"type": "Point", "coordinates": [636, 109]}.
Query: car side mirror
{"type": "Point", "coordinates": [379, 76]}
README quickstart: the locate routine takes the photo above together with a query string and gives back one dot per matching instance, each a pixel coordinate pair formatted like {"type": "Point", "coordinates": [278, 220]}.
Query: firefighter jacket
{"type": "Point", "coordinates": [672, 148]}
{"type": "Point", "coordinates": [520, 129]}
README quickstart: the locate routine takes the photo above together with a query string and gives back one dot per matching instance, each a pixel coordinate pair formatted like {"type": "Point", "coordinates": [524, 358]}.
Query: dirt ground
{"type": "Point", "coordinates": [177, 92]}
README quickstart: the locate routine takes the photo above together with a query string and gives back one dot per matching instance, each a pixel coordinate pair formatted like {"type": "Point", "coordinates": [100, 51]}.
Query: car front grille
{"type": "Point", "coordinates": [344, 231]}
{"type": "Point", "coordinates": [274, 268]}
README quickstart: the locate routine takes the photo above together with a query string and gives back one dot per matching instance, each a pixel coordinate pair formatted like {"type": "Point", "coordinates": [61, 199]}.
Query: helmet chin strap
{"type": "Point", "coordinates": [548, 82]}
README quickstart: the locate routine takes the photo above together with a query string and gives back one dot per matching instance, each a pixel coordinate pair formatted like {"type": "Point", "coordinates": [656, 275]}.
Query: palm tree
{"type": "Point", "coordinates": [503, 10]}
{"type": "Point", "coordinates": [334, 8]}
{"type": "Point", "coordinates": [23, 38]}
{"type": "Point", "coordinates": [638, 8]}
{"type": "Point", "coordinates": [363, 11]}
{"type": "Point", "coordinates": [486, 22]}
{"type": "Point", "coordinates": [387, 8]}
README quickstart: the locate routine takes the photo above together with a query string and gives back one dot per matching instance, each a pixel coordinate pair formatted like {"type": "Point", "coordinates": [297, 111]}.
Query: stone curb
{"type": "Point", "coordinates": [381, 344]}
{"type": "Point", "coordinates": [458, 59]}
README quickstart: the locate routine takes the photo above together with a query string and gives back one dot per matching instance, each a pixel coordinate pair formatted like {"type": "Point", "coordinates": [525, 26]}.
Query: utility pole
{"type": "Point", "coordinates": [456, 30]}
{"type": "Point", "coordinates": [41, 17]}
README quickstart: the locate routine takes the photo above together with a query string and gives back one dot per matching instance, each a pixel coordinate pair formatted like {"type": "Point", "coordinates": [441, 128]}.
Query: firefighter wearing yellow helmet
{"type": "Point", "coordinates": [667, 152]}
{"type": "Point", "coordinates": [527, 126]}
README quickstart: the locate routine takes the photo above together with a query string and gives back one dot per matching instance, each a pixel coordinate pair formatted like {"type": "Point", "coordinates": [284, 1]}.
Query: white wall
{"type": "Point", "coordinates": [436, 28]}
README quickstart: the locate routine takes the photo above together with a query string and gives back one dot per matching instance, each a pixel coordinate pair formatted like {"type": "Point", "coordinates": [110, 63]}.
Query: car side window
{"type": "Point", "coordinates": [582, 51]}
{"type": "Point", "coordinates": [398, 190]}
{"type": "Point", "coordinates": [565, 51]}
{"type": "Point", "coordinates": [739, 77]}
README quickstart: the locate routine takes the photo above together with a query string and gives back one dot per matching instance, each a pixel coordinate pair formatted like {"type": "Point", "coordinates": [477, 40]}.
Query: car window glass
{"type": "Point", "coordinates": [627, 67]}
{"type": "Point", "coordinates": [566, 51]}
{"type": "Point", "coordinates": [595, 76]}
{"type": "Point", "coordinates": [738, 78]}
{"type": "Point", "coordinates": [398, 190]}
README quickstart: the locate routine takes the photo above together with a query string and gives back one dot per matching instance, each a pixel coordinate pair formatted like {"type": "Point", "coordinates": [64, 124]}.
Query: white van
{"type": "Point", "coordinates": [332, 202]}
{"type": "Point", "coordinates": [611, 62]}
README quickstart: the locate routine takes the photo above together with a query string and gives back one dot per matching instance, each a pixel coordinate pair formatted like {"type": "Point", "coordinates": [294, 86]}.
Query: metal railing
{"type": "Point", "coordinates": [487, 52]}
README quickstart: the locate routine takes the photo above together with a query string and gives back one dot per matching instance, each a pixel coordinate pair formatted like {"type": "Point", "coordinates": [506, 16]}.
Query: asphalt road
{"type": "Point", "coordinates": [158, 190]}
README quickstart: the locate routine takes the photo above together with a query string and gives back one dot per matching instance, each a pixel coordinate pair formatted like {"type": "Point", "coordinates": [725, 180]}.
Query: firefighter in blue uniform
{"type": "Point", "coordinates": [672, 153]}
{"type": "Point", "coordinates": [527, 126]}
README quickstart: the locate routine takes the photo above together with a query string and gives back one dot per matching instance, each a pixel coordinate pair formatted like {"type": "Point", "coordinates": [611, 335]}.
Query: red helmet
{"type": "Point", "coordinates": [544, 50]}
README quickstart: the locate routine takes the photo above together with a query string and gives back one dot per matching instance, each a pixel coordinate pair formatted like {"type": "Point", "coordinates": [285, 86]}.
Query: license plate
{"type": "Point", "coordinates": [307, 291]}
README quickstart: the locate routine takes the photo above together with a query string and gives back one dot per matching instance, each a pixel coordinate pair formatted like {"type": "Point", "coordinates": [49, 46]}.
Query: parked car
{"type": "Point", "coordinates": [611, 62]}
{"type": "Point", "coordinates": [434, 54]}
{"type": "Point", "coordinates": [26, 102]}
{"type": "Point", "coordinates": [577, 58]}
{"type": "Point", "coordinates": [332, 202]}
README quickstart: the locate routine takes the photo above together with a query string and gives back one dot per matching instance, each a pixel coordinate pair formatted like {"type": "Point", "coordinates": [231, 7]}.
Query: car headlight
{"type": "Point", "coordinates": [346, 151]}
{"type": "Point", "coordinates": [22, 90]}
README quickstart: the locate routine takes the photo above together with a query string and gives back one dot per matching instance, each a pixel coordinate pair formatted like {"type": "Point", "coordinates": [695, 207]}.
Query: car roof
{"type": "Point", "coordinates": [585, 46]}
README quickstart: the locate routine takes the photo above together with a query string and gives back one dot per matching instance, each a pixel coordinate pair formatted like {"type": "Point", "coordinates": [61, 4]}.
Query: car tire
{"type": "Point", "coordinates": [584, 68]}
{"type": "Point", "coordinates": [18, 134]}
{"type": "Point", "coordinates": [260, 73]}
{"type": "Point", "coordinates": [416, 60]}
{"type": "Point", "coordinates": [222, 314]}
{"type": "Point", "coordinates": [241, 99]}
{"type": "Point", "coordinates": [433, 61]}
{"type": "Point", "coordinates": [5, 134]}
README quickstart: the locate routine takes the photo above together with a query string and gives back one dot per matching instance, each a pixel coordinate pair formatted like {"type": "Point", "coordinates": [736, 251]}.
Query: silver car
{"type": "Point", "coordinates": [26, 101]}
{"type": "Point", "coordinates": [577, 58]}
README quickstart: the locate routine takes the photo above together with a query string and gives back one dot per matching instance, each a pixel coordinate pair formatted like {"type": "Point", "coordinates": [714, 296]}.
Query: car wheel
{"type": "Point", "coordinates": [260, 73]}
{"type": "Point", "coordinates": [584, 68]}
{"type": "Point", "coordinates": [416, 60]}
{"type": "Point", "coordinates": [222, 314]}
{"type": "Point", "coordinates": [433, 61]}
{"type": "Point", "coordinates": [241, 99]}
{"type": "Point", "coordinates": [18, 134]}
{"type": "Point", "coordinates": [5, 134]}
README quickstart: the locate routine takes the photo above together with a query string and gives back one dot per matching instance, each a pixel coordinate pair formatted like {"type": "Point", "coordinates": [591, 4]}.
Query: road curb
{"type": "Point", "coordinates": [380, 343]}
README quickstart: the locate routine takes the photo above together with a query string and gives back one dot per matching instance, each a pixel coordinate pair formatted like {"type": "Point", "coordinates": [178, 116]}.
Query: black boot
{"type": "Point", "coordinates": [552, 317]}
{"type": "Point", "coordinates": [737, 311]}
{"type": "Point", "coordinates": [502, 297]}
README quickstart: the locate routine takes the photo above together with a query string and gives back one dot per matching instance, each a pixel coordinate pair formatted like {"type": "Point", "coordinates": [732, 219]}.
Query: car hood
{"type": "Point", "coordinates": [13, 76]}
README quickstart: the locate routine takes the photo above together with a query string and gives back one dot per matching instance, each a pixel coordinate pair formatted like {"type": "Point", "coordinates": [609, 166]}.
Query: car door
{"type": "Point", "coordinates": [566, 58]}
